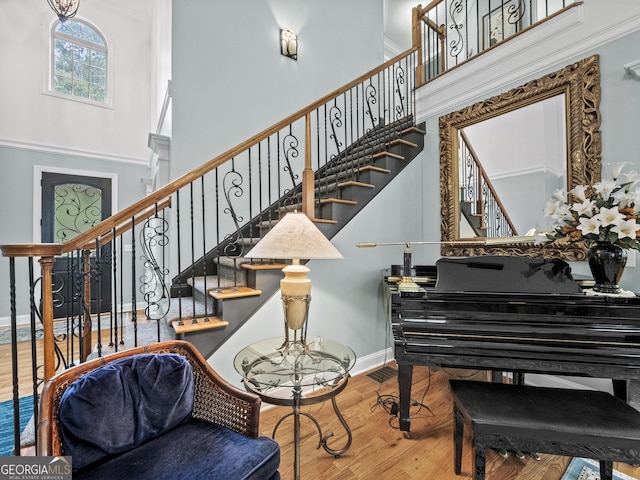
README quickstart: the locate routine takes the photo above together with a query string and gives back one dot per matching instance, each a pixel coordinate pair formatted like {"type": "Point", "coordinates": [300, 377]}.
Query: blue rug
{"type": "Point", "coordinates": [587, 469]}
{"type": "Point", "coordinates": [6, 422]}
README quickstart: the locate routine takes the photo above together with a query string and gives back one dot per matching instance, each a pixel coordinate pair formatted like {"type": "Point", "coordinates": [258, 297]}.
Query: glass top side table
{"type": "Point", "coordinates": [295, 375]}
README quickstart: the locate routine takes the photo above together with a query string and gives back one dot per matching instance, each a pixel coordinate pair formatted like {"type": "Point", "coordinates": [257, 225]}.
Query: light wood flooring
{"type": "Point", "coordinates": [380, 451]}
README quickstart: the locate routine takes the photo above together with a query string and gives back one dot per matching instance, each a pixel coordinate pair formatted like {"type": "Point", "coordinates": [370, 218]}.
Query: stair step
{"type": "Point", "coordinates": [373, 168]}
{"type": "Point", "coordinates": [413, 129]}
{"type": "Point", "coordinates": [211, 282]}
{"type": "Point", "coordinates": [402, 141]}
{"type": "Point", "coordinates": [387, 154]}
{"type": "Point", "coordinates": [355, 184]}
{"type": "Point", "coordinates": [239, 292]}
{"type": "Point", "coordinates": [323, 220]}
{"type": "Point", "coordinates": [198, 325]}
{"type": "Point", "coordinates": [337, 200]}
{"type": "Point", "coordinates": [263, 266]}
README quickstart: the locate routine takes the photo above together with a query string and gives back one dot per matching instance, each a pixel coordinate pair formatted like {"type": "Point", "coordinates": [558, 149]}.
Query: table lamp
{"type": "Point", "coordinates": [295, 237]}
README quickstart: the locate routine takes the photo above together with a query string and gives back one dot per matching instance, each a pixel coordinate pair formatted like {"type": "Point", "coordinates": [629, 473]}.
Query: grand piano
{"type": "Point", "coordinates": [512, 314]}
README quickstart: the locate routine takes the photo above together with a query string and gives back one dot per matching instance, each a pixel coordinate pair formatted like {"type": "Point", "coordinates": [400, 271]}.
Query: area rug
{"type": "Point", "coordinates": [6, 422]}
{"type": "Point", "coordinates": [587, 469]}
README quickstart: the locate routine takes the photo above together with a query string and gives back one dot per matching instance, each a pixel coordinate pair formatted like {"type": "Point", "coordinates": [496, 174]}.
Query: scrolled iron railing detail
{"type": "Point", "coordinates": [456, 44]}
{"type": "Point", "coordinates": [290, 145]}
{"type": "Point", "coordinates": [232, 187]}
{"type": "Point", "coordinates": [335, 122]}
{"type": "Point", "coordinates": [153, 286]}
{"type": "Point", "coordinates": [399, 78]}
{"type": "Point", "coordinates": [371, 99]}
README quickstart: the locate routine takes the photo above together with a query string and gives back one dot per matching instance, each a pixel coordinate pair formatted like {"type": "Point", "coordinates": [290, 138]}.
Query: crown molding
{"type": "Point", "coordinates": [69, 152]}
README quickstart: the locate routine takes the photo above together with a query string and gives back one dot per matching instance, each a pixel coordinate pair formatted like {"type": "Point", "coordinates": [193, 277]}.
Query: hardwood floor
{"type": "Point", "coordinates": [380, 451]}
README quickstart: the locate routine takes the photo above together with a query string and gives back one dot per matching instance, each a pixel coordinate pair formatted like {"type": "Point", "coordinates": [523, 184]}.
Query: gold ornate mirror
{"type": "Point", "coordinates": [572, 97]}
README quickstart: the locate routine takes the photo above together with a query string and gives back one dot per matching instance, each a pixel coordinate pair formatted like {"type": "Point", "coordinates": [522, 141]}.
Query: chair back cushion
{"type": "Point", "coordinates": [120, 405]}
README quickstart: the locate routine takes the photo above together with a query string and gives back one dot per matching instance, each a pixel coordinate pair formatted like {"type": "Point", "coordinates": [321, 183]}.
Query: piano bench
{"type": "Point", "coordinates": [576, 423]}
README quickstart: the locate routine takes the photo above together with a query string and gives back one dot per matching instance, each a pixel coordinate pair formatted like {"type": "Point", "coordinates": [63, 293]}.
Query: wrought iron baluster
{"type": "Point", "coordinates": [232, 188]}
{"type": "Point", "coordinates": [204, 251]}
{"type": "Point", "coordinates": [193, 257]}
{"type": "Point", "coordinates": [35, 380]}
{"type": "Point", "coordinates": [179, 259]}
{"type": "Point", "coordinates": [121, 293]}
{"type": "Point", "coordinates": [98, 296]}
{"type": "Point", "coordinates": [113, 331]}
{"type": "Point", "coordinates": [134, 290]}
{"type": "Point", "coordinates": [14, 356]}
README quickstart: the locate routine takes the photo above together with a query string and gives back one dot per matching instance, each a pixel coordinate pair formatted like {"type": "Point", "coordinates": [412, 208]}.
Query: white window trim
{"type": "Point", "coordinates": [48, 67]}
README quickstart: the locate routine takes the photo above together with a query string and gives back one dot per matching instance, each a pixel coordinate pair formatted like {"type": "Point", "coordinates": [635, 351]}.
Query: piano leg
{"type": "Point", "coordinates": [620, 389]}
{"type": "Point", "coordinates": [405, 378]}
{"type": "Point", "coordinates": [518, 377]}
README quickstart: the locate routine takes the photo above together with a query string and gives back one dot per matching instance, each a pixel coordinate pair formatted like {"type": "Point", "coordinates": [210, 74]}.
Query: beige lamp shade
{"type": "Point", "coordinates": [294, 237]}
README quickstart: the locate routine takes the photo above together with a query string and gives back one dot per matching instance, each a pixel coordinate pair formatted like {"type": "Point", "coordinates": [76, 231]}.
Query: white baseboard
{"type": "Point", "coordinates": [372, 361]}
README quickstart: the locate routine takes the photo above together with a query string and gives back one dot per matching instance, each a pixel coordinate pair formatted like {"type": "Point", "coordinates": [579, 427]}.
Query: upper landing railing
{"type": "Point", "coordinates": [448, 33]}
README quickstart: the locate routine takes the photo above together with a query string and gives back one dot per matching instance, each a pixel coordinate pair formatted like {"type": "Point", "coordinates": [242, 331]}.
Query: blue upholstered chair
{"type": "Point", "coordinates": [157, 412]}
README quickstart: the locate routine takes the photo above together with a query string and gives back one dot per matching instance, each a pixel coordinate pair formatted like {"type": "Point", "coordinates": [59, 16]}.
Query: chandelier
{"type": "Point", "coordinates": [65, 9]}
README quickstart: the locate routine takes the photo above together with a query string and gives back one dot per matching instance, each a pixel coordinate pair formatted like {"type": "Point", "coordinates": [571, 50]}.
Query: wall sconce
{"type": "Point", "coordinates": [289, 44]}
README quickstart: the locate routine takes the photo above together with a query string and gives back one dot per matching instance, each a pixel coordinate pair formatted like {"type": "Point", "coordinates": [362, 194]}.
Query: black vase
{"type": "Point", "coordinates": [607, 261]}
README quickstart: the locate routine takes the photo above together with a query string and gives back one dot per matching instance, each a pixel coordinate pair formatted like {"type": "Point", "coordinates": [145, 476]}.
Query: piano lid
{"type": "Point", "coordinates": [507, 274]}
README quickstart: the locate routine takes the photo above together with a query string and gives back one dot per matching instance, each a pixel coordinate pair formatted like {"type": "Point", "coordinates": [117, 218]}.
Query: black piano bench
{"type": "Point", "coordinates": [576, 423]}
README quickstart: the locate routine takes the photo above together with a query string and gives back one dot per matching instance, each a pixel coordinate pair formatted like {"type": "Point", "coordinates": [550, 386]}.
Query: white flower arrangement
{"type": "Point", "coordinates": [605, 212]}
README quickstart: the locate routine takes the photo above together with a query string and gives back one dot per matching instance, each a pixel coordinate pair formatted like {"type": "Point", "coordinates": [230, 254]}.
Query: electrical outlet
{"type": "Point", "coordinates": [128, 247]}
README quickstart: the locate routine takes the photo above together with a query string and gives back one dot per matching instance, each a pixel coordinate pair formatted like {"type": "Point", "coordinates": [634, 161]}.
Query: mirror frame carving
{"type": "Point", "coordinates": [580, 82]}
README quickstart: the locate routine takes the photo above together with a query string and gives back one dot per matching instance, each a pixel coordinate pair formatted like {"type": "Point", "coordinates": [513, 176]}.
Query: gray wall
{"type": "Point", "coordinates": [229, 80]}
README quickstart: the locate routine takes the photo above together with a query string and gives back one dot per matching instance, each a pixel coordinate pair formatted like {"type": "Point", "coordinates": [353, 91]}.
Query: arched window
{"type": "Point", "coordinates": [79, 63]}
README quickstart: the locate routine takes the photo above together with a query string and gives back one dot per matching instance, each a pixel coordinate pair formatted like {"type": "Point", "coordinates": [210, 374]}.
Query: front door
{"type": "Point", "coordinates": [71, 205]}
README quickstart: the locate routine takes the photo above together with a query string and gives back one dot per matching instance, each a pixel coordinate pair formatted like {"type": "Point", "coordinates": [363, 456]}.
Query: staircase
{"type": "Point", "coordinates": [212, 307]}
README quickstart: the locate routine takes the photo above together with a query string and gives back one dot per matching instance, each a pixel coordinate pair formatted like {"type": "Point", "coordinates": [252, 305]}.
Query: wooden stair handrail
{"type": "Point", "coordinates": [116, 220]}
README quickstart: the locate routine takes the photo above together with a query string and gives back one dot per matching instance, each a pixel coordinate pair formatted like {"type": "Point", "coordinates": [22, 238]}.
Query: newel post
{"type": "Point", "coordinates": [46, 264]}
{"type": "Point", "coordinates": [417, 42]}
{"type": "Point", "coordinates": [308, 181]}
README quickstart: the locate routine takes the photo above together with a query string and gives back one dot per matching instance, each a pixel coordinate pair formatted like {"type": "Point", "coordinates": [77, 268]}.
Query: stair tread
{"type": "Point", "coordinates": [387, 154]}
{"type": "Point", "coordinates": [413, 129]}
{"type": "Point", "coordinates": [403, 141]}
{"type": "Point", "coordinates": [373, 168]}
{"type": "Point", "coordinates": [263, 266]}
{"type": "Point", "coordinates": [198, 324]}
{"type": "Point", "coordinates": [354, 183]}
{"type": "Point", "coordinates": [337, 200]}
{"type": "Point", "coordinates": [323, 220]}
{"type": "Point", "coordinates": [211, 282]}
{"type": "Point", "coordinates": [239, 292]}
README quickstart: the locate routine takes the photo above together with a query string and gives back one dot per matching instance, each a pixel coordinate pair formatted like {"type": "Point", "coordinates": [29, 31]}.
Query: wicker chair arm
{"type": "Point", "coordinates": [215, 400]}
